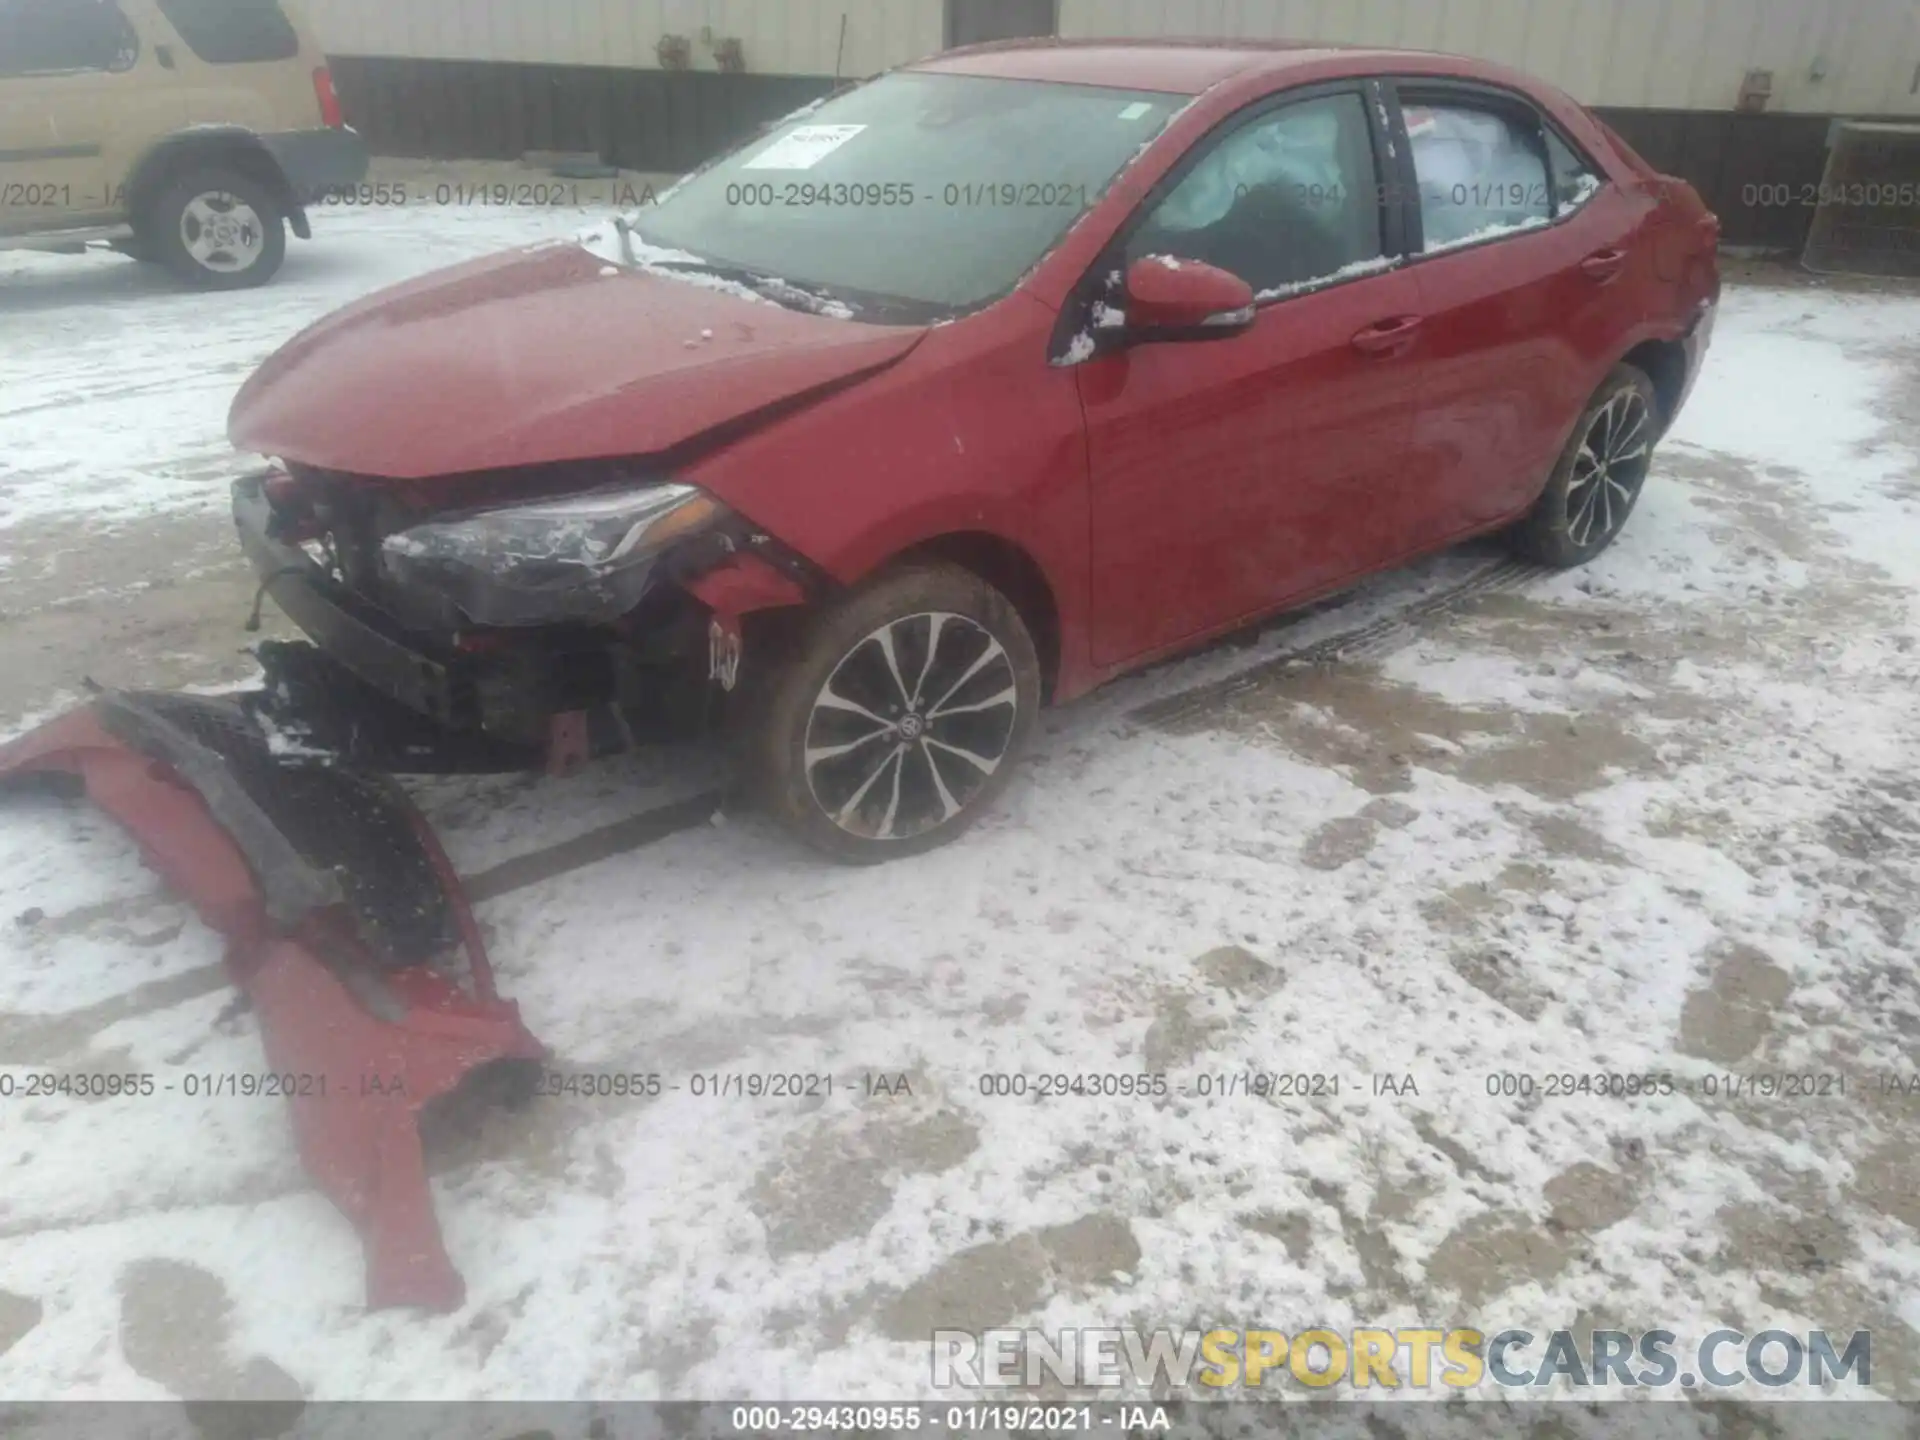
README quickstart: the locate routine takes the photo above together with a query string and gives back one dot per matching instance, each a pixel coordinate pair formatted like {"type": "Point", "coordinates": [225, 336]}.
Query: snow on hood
{"type": "Point", "coordinates": [537, 356]}
{"type": "Point", "coordinates": [627, 251]}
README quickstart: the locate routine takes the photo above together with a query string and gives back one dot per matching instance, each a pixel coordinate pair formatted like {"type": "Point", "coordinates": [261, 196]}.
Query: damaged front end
{"type": "Point", "coordinates": [532, 625]}
{"type": "Point", "coordinates": [550, 617]}
{"type": "Point", "coordinates": [346, 929]}
{"type": "Point", "coordinates": [541, 629]}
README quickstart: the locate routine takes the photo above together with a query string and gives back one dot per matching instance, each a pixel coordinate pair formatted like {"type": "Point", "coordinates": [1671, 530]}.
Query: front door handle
{"type": "Point", "coordinates": [1387, 337]}
{"type": "Point", "coordinates": [1603, 265]}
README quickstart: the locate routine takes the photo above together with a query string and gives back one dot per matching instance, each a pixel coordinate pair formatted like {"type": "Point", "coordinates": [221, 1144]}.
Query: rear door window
{"type": "Point", "coordinates": [1481, 170]}
{"type": "Point", "coordinates": [1286, 201]}
{"type": "Point", "coordinates": [39, 37]}
{"type": "Point", "coordinates": [233, 32]}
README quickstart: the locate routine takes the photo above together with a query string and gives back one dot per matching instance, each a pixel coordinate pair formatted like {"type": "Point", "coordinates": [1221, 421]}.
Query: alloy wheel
{"type": "Point", "coordinates": [222, 232]}
{"type": "Point", "coordinates": [1610, 468]}
{"type": "Point", "coordinates": [910, 726]}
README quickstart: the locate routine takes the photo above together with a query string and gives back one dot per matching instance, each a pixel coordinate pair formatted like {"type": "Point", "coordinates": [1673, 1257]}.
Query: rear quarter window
{"type": "Point", "coordinates": [60, 36]}
{"type": "Point", "coordinates": [233, 32]}
{"type": "Point", "coordinates": [1575, 181]}
{"type": "Point", "coordinates": [1635, 160]}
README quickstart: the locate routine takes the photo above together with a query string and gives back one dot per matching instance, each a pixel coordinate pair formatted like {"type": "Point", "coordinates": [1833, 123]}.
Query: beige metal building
{"type": "Point", "coordinates": [1736, 95]}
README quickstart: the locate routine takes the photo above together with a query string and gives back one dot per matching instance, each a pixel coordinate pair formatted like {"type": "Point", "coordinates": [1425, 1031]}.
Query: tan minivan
{"type": "Point", "coordinates": [188, 133]}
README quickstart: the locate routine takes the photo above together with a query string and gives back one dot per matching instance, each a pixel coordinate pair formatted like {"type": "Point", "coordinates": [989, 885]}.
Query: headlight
{"type": "Point", "coordinates": [586, 558]}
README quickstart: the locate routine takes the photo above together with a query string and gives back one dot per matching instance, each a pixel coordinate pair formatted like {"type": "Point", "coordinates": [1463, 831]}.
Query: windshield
{"type": "Point", "coordinates": [920, 193]}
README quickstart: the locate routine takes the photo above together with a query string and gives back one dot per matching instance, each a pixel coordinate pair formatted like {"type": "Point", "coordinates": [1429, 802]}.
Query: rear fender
{"type": "Point", "coordinates": [232, 145]}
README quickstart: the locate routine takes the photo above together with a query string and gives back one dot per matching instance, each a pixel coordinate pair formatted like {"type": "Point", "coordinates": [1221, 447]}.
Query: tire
{"type": "Point", "coordinates": [1598, 479]}
{"type": "Point", "coordinates": [216, 229]}
{"type": "Point", "coordinates": [880, 770]}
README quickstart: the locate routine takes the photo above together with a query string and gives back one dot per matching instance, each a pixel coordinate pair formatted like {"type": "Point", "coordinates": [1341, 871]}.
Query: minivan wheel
{"type": "Point", "coordinates": [216, 229]}
{"type": "Point", "coordinates": [1600, 475]}
{"type": "Point", "coordinates": [898, 716]}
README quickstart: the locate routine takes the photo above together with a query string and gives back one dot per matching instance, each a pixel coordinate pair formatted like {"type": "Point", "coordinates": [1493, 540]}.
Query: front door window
{"type": "Point", "coordinates": [1285, 201]}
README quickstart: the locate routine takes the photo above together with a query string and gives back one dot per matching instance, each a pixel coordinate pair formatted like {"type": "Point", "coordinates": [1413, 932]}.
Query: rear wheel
{"type": "Point", "coordinates": [899, 716]}
{"type": "Point", "coordinates": [216, 229]}
{"type": "Point", "coordinates": [1600, 475]}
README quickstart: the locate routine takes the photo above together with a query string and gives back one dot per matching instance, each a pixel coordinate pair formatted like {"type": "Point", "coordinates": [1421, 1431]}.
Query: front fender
{"type": "Point", "coordinates": [972, 435]}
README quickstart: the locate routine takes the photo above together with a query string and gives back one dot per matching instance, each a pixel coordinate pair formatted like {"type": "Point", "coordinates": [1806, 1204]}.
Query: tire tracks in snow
{"type": "Point", "coordinates": [1186, 711]}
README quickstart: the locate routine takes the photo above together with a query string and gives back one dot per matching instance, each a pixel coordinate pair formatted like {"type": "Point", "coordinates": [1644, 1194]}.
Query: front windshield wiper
{"type": "Point", "coordinates": [781, 292]}
{"type": "Point", "coordinates": [624, 229]}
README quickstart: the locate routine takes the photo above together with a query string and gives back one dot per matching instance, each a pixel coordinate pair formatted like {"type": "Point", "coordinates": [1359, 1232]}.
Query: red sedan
{"type": "Point", "coordinates": [966, 390]}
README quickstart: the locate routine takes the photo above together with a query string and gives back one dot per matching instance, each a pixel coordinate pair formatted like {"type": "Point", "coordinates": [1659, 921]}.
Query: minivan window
{"type": "Point", "coordinates": [233, 32]}
{"type": "Point", "coordinates": [42, 36]}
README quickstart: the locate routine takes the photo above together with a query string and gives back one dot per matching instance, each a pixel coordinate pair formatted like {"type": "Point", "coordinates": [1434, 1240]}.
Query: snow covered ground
{"type": "Point", "coordinates": [1661, 815]}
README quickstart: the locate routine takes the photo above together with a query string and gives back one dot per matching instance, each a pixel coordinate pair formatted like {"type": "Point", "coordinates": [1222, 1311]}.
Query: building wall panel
{"type": "Point", "coordinates": [1840, 57]}
{"type": "Point", "coordinates": [1672, 54]}
{"type": "Point", "coordinates": [780, 37]}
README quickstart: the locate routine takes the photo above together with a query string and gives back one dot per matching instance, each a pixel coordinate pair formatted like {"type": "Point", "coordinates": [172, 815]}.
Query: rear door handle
{"type": "Point", "coordinates": [1603, 265]}
{"type": "Point", "coordinates": [1387, 337]}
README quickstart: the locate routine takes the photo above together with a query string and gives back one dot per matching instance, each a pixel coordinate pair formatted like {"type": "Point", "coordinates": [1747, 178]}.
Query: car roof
{"type": "Point", "coordinates": [1175, 66]}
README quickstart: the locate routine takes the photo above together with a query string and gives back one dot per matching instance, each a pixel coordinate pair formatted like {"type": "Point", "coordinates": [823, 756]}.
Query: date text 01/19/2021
{"type": "Point", "coordinates": [1717, 1085]}
{"type": "Point", "coordinates": [192, 1085]}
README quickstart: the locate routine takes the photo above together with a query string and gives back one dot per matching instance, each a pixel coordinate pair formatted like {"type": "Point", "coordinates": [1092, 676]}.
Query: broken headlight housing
{"type": "Point", "coordinates": [584, 558]}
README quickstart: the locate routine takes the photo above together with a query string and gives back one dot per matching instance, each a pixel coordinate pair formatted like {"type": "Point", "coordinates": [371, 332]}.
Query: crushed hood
{"type": "Point", "coordinates": [538, 356]}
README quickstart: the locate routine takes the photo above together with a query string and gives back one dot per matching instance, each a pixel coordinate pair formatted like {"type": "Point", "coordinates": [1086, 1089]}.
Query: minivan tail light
{"type": "Point", "coordinates": [329, 98]}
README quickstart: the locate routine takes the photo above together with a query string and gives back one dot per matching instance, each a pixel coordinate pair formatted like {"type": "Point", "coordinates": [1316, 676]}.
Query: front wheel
{"type": "Point", "coordinates": [216, 229]}
{"type": "Point", "coordinates": [1599, 477]}
{"type": "Point", "coordinates": [899, 715]}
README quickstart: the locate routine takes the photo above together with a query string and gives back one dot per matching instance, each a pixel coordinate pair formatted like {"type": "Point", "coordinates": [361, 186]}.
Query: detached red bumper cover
{"type": "Point", "coordinates": [342, 918]}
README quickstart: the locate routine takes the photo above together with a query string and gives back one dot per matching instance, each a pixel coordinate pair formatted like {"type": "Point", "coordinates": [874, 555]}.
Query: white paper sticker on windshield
{"type": "Point", "coordinates": [1135, 110]}
{"type": "Point", "coordinates": [803, 148]}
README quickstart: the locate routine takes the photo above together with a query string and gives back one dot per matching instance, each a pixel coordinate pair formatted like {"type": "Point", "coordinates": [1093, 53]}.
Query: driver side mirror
{"type": "Point", "coordinates": [1173, 299]}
